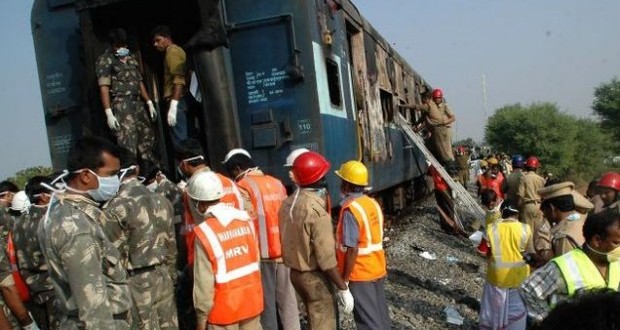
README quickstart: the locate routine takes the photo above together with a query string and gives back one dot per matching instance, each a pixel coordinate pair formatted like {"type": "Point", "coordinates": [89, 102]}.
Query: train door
{"type": "Point", "coordinates": [268, 77]}
{"type": "Point", "coordinates": [138, 18]}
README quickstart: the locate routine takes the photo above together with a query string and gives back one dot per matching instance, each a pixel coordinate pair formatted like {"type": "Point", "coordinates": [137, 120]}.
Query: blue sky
{"type": "Point", "coordinates": [552, 50]}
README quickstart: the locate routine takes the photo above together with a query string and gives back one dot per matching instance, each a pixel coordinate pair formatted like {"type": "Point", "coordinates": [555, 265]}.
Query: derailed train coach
{"type": "Point", "coordinates": [274, 76]}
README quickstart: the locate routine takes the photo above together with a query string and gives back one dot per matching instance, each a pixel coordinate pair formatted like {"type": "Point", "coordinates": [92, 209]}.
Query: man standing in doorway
{"type": "Point", "coordinates": [118, 76]}
{"type": "Point", "coordinates": [174, 82]}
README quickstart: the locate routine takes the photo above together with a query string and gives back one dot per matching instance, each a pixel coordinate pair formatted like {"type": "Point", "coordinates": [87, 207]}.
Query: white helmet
{"type": "Point", "coordinates": [290, 159]}
{"type": "Point", "coordinates": [20, 202]}
{"type": "Point", "coordinates": [205, 186]}
{"type": "Point", "coordinates": [236, 151]}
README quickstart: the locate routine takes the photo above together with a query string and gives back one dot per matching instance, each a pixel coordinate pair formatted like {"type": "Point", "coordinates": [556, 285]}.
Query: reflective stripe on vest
{"type": "Point", "coordinates": [370, 263]}
{"type": "Point", "coordinates": [233, 254]}
{"type": "Point", "coordinates": [223, 275]}
{"type": "Point", "coordinates": [580, 273]}
{"type": "Point", "coordinates": [506, 267]}
{"type": "Point", "coordinates": [370, 247]}
{"type": "Point", "coordinates": [267, 224]}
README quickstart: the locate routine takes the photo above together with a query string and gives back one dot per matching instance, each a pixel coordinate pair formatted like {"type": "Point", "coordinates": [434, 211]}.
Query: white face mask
{"type": "Point", "coordinates": [573, 216]}
{"type": "Point", "coordinates": [108, 187]}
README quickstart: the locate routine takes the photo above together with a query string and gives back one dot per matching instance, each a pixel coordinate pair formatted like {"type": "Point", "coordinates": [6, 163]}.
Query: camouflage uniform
{"type": "Point", "coordinates": [6, 223]}
{"type": "Point", "coordinates": [136, 131]}
{"type": "Point", "coordinates": [89, 281]}
{"type": "Point", "coordinates": [33, 268]}
{"type": "Point", "coordinates": [139, 223]}
{"type": "Point", "coordinates": [6, 280]}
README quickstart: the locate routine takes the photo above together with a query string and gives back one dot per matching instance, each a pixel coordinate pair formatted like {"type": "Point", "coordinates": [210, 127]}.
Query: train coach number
{"type": "Point", "coordinates": [304, 126]}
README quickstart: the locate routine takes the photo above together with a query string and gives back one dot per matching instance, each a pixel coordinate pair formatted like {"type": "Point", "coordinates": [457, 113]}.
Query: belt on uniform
{"type": "Point", "coordinates": [532, 202]}
{"type": "Point", "coordinates": [126, 96]}
{"type": "Point", "coordinates": [141, 270]}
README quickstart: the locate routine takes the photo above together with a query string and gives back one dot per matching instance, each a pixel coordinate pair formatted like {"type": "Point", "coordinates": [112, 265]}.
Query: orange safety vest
{"type": "Point", "coordinates": [232, 197]}
{"type": "Point", "coordinates": [232, 251]}
{"type": "Point", "coordinates": [20, 284]}
{"type": "Point", "coordinates": [370, 264]}
{"type": "Point", "coordinates": [266, 194]}
{"type": "Point", "coordinates": [493, 184]}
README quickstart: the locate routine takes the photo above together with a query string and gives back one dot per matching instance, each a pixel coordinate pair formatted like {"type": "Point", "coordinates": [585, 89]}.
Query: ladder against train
{"type": "Point", "coordinates": [467, 211]}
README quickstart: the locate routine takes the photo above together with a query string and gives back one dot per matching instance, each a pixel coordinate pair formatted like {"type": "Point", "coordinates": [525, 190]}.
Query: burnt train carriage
{"type": "Point", "coordinates": [275, 75]}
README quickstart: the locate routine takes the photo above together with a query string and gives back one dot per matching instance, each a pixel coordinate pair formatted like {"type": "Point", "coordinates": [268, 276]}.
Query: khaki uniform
{"type": "Point", "coordinates": [136, 131]}
{"type": "Point", "coordinates": [33, 268]}
{"type": "Point", "coordinates": [437, 115]}
{"type": "Point", "coordinates": [139, 224]}
{"type": "Point", "coordinates": [89, 281]}
{"type": "Point", "coordinates": [308, 248]}
{"type": "Point", "coordinates": [512, 185]}
{"type": "Point", "coordinates": [463, 161]}
{"type": "Point", "coordinates": [529, 185]}
{"type": "Point", "coordinates": [567, 235]}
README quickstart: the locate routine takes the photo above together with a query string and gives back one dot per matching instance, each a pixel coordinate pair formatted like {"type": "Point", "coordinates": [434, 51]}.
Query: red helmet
{"type": "Point", "coordinates": [309, 168]}
{"type": "Point", "coordinates": [437, 93]}
{"type": "Point", "coordinates": [532, 162]}
{"type": "Point", "coordinates": [610, 180]}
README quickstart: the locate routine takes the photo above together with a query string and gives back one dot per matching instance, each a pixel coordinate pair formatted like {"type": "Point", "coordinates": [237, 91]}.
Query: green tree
{"type": "Point", "coordinates": [606, 106]}
{"type": "Point", "coordinates": [20, 178]}
{"type": "Point", "coordinates": [566, 146]}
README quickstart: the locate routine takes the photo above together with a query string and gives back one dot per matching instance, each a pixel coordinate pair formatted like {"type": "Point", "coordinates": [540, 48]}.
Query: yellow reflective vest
{"type": "Point", "coordinates": [508, 240]}
{"type": "Point", "coordinates": [581, 274]}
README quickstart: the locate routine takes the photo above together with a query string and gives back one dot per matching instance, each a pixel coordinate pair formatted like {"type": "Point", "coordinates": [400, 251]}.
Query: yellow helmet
{"type": "Point", "coordinates": [354, 172]}
{"type": "Point", "coordinates": [492, 161]}
{"type": "Point", "coordinates": [483, 163]}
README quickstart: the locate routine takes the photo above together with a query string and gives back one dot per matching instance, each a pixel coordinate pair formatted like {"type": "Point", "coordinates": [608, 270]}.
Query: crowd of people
{"type": "Point", "coordinates": [543, 240]}
{"type": "Point", "coordinates": [112, 243]}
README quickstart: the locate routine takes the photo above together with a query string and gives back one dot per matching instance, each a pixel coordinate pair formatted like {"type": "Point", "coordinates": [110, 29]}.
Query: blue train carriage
{"type": "Point", "coordinates": [275, 75]}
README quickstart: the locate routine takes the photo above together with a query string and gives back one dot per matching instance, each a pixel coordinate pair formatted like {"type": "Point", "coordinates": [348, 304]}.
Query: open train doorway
{"type": "Point", "coordinates": [138, 18]}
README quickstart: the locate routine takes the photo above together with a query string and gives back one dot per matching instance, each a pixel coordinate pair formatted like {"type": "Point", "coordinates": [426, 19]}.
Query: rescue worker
{"type": "Point", "coordinates": [501, 306]}
{"type": "Point", "coordinates": [227, 293]}
{"type": "Point", "coordinates": [289, 164]}
{"type": "Point", "coordinates": [359, 242]}
{"type": "Point", "coordinates": [89, 281]}
{"type": "Point", "coordinates": [266, 194]}
{"type": "Point", "coordinates": [445, 203]}
{"type": "Point", "coordinates": [190, 162]}
{"type": "Point", "coordinates": [558, 207]}
{"type": "Point", "coordinates": [493, 204]}
{"type": "Point", "coordinates": [439, 118]}
{"type": "Point", "coordinates": [609, 189]}
{"type": "Point", "coordinates": [32, 266]}
{"type": "Point", "coordinates": [513, 179]}
{"type": "Point", "coordinates": [492, 179]}
{"type": "Point", "coordinates": [590, 267]}
{"type": "Point", "coordinates": [15, 313]}
{"type": "Point", "coordinates": [139, 224]}
{"type": "Point", "coordinates": [174, 82]}
{"type": "Point", "coordinates": [308, 241]}
{"type": "Point", "coordinates": [593, 195]}
{"type": "Point", "coordinates": [7, 191]}
{"type": "Point", "coordinates": [529, 211]}
{"type": "Point", "coordinates": [462, 158]}
{"type": "Point", "coordinates": [120, 88]}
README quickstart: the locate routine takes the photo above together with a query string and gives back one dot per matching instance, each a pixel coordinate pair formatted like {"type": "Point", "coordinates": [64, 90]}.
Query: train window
{"type": "Point", "coordinates": [333, 82]}
{"type": "Point", "coordinates": [387, 105]}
